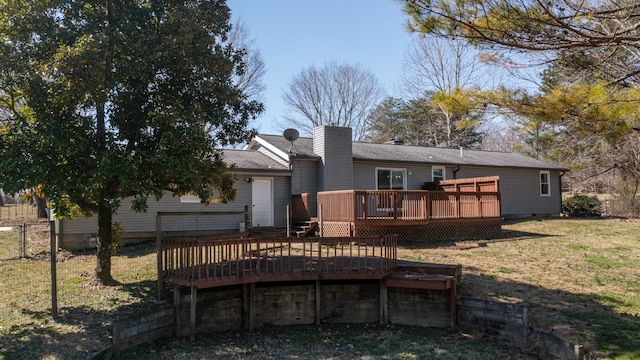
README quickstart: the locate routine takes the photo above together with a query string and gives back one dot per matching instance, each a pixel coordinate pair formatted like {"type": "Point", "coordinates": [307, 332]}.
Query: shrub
{"type": "Point", "coordinates": [581, 206]}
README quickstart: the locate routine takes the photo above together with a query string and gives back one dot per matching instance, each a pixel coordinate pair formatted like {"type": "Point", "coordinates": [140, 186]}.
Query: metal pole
{"type": "Point", "coordinates": [54, 272]}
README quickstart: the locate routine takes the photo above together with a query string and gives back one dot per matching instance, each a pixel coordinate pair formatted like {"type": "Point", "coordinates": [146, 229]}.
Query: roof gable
{"type": "Point", "coordinates": [252, 160]}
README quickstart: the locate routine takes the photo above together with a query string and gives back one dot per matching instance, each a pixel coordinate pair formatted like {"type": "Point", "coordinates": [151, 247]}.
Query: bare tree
{"type": "Point", "coordinates": [249, 80]}
{"type": "Point", "coordinates": [335, 95]}
{"type": "Point", "coordinates": [445, 75]}
{"type": "Point", "coordinates": [435, 64]}
{"type": "Point", "coordinates": [248, 77]}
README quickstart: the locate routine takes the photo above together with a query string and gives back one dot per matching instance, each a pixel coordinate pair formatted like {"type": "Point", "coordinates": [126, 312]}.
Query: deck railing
{"type": "Point", "coordinates": [300, 207]}
{"type": "Point", "coordinates": [407, 205]}
{"type": "Point", "coordinates": [209, 263]}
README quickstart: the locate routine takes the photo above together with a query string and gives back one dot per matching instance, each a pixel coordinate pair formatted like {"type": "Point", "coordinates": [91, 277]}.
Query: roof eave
{"type": "Point", "coordinates": [274, 149]}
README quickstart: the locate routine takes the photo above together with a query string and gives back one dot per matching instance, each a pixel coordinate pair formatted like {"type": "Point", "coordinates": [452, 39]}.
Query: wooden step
{"type": "Point", "coordinates": [305, 228]}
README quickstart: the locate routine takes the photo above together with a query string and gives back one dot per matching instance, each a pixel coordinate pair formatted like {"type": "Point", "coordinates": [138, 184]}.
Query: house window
{"type": "Point", "coordinates": [189, 199]}
{"type": "Point", "coordinates": [391, 179]}
{"type": "Point", "coordinates": [437, 173]}
{"type": "Point", "coordinates": [545, 189]}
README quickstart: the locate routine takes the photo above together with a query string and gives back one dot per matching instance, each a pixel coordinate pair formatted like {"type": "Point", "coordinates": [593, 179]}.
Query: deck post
{"type": "Point", "coordinates": [252, 308]}
{"type": "Point", "coordinates": [288, 221]}
{"type": "Point", "coordinates": [320, 221]}
{"type": "Point", "coordinates": [318, 313]}
{"type": "Point", "coordinates": [245, 306]}
{"type": "Point", "coordinates": [384, 303]}
{"type": "Point", "coordinates": [454, 307]}
{"type": "Point", "coordinates": [177, 305]}
{"type": "Point", "coordinates": [192, 313]}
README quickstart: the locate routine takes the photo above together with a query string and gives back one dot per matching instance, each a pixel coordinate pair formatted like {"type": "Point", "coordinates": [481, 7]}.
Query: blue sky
{"type": "Point", "coordinates": [295, 34]}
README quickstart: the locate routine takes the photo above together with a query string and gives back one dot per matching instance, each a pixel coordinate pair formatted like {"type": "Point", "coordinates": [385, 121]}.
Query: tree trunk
{"type": "Point", "coordinates": [104, 244]}
{"type": "Point", "coordinates": [41, 202]}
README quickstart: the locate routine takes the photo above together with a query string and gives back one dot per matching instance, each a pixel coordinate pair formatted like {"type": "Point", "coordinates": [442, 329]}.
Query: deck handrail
{"type": "Point", "coordinates": [407, 205]}
{"type": "Point", "coordinates": [205, 263]}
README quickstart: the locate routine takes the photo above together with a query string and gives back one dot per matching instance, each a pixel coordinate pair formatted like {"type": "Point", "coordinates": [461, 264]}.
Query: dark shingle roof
{"type": "Point", "coordinates": [419, 154]}
{"type": "Point", "coordinates": [252, 160]}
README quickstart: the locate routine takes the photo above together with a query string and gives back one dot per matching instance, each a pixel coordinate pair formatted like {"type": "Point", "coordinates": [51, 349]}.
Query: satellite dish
{"type": "Point", "coordinates": [291, 134]}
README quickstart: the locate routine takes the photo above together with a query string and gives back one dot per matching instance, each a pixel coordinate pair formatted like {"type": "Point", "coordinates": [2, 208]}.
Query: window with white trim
{"type": "Point", "coordinates": [437, 173]}
{"type": "Point", "coordinates": [545, 186]}
{"type": "Point", "coordinates": [391, 179]}
{"type": "Point", "coordinates": [189, 199]}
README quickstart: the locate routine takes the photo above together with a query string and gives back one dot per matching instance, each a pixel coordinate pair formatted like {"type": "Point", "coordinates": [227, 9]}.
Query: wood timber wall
{"type": "Point", "coordinates": [350, 302]}
{"type": "Point", "coordinates": [419, 307]}
{"type": "Point", "coordinates": [289, 303]}
{"type": "Point", "coordinates": [341, 302]}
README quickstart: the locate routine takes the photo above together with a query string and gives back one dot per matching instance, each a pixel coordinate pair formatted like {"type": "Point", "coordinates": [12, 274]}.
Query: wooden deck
{"type": "Point", "coordinates": [406, 206]}
{"type": "Point", "coordinates": [413, 215]}
{"type": "Point", "coordinates": [211, 263]}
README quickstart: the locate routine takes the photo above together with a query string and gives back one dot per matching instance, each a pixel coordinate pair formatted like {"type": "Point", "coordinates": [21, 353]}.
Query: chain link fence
{"type": "Point", "coordinates": [17, 213]}
{"type": "Point", "coordinates": [27, 240]}
{"type": "Point", "coordinates": [84, 313]}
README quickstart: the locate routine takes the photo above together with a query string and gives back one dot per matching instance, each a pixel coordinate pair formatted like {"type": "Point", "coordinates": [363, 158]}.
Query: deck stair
{"type": "Point", "coordinates": [306, 227]}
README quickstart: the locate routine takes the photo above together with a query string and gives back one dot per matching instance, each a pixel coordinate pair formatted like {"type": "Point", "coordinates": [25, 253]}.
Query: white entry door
{"type": "Point", "coordinates": [262, 207]}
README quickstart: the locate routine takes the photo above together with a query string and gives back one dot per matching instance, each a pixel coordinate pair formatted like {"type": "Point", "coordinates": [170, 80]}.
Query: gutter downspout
{"type": "Point", "coordinates": [562, 173]}
{"type": "Point", "coordinates": [455, 172]}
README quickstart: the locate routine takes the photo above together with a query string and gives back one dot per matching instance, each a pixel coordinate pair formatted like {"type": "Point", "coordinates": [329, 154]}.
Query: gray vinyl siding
{"type": "Point", "coordinates": [304, 179]}
{"type": "Point", "coordinates": [520, 189]}
{"type": "Point", "coordinates": [281, 198]}
{"type": "Point", "coordinates": [132, 222]}
{"type": "Point", "coordinates": [333, 145]}
{"type": "Point", "coordinates": [364, 174]}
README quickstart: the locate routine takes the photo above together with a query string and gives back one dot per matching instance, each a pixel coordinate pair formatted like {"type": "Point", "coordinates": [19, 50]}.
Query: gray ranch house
{"type": "Point", "coordinates": [272, 169]}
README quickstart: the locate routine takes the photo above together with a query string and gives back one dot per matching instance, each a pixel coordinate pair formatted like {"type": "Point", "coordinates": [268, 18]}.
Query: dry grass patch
{"type": "Point", "coordinates": [83, 326]}
{"type": "Point", "coordinates": [580, 278]}
{"type": "Point", "coordinates": [329, 342]}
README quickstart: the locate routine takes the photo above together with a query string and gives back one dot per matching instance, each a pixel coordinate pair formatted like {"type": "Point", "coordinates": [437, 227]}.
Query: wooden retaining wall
{"type": "Point", "coordinates": [221, 309]}
{"type": "Point", "coordinates": [130, 332]}
{"type": "Point", "coordinates": [299, 303]}
{"type": "Point", "coordinates": [502, 321]}
{"type": "Point", "coordinates": [510, 322]}
{"type": "Point", "coordinates": [419, 307]}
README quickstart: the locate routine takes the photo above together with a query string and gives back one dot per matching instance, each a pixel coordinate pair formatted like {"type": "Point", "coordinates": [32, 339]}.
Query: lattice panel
{"type": "Point", "coordinates": [440, 230]}
{"type": "Point", "coordinates": [338, 229]}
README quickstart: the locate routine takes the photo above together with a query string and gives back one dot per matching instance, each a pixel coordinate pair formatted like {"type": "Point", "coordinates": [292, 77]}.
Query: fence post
{"type": "Point", "coordinates": [54, 271]}
{"type": "Point", "coordinates": [160, 285]}
{"type": "Point", "coordinates": [23, 241]}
